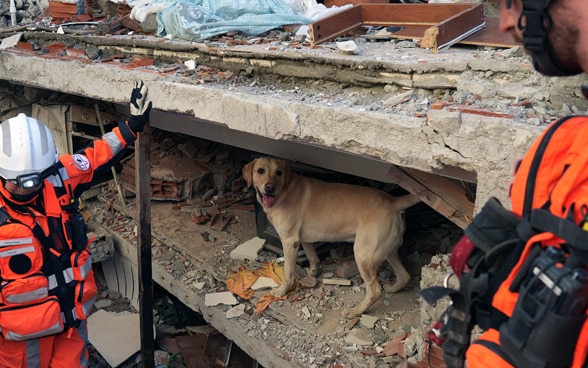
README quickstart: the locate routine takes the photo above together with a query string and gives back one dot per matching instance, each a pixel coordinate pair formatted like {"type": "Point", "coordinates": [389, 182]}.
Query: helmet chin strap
{"type": "Point", "coordinates": [537, 24]}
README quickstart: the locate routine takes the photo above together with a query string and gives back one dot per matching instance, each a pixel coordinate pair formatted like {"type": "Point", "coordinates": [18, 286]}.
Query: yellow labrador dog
{"type": "Point", "coordinates": [305, 211]}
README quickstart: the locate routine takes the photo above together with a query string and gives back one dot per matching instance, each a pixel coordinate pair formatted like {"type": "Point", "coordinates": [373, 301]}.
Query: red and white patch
{"type": "Point", "coordinates": [81, 162]}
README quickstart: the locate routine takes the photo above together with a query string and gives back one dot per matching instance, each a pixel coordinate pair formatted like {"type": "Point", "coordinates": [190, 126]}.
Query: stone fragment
{"type": "Point", "coordinates": [236, 311]}
{"type": "Point", "coordinates": [224, 297]}
{"type": "Point", "coordinates": [264, 283]}
{"type": "Point", "coordinates": [249, 249]}
{"type": "Point", "coordinates": [368, 321]}
{"type": "Point", "coordinates": [337, 281]}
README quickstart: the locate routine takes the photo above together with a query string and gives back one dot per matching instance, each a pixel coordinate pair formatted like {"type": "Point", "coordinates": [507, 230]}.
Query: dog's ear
{"type": "Point", "coordinates": [248, 173]}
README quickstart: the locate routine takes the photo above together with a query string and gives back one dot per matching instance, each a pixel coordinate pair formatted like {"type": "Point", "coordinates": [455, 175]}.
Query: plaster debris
{"type": "Point", "coordinates": [11, 41]}
{"type": "Point", "coordinates": [337, 281]}
{"type": "Point", "coordinates": [359, 337]}
{"type": "Point", "coordinates": [348, 47]}
{"type": "Point", "coordinates": [235, 311]}
{"type": "Point", "coordinates": [368, 321]}
{"type": "Point", "coordinates": [224, 297]}
{"type": "Point", "coordinates": [248, 250]}
{"type": "Point", "coordinates": [264, 283]}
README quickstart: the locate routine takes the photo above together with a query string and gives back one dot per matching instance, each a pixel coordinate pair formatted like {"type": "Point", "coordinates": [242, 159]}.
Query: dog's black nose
{"type": "Point", "coordinates": [270, 188]}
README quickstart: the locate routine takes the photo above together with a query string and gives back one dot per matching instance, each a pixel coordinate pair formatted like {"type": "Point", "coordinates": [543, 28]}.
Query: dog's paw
{"type": "Point", "coordinates": [314, 271]}
{"type": "Point", "coordinates": [350, 313]}
{"type": "Point", "coordinates": [278, 292]}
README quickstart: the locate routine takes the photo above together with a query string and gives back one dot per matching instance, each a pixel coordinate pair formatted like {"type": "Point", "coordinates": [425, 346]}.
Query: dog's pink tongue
{"type": "Point", "coordinates": [267, 201]}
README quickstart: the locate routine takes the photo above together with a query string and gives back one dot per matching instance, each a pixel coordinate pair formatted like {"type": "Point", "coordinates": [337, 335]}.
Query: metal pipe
{"type": "Point", "coordinates": [12, 12]}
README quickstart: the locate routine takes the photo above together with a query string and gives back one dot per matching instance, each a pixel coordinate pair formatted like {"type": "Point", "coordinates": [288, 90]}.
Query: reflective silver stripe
{"type": "Point", "coordinates": [29, 296]}
{"type": "Point", "coordinates": [52, 282]}
{"type": "Point", "coordinates": [33, 353]}
{"type": "Point", "coordinates": [113, 141]}
{"type": "Point", "coordinates": [87, 306]}
{"type": "Point", "coordinates": [15, 251]}
{"type": "Point", "coordinates": [15, 241]}
{"type": "Point", "coordinates": [68, 275]}
{"type": "Point", "coordinates": [86, 268]}
{"type": "Point", "coordinates": [55, 180]}
{"type": "Point", "coordinates": [13, 336]}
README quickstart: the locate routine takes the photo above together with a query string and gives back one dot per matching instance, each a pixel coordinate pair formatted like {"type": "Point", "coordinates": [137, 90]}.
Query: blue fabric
{"type": "Point", "coordinates": [197, 20]}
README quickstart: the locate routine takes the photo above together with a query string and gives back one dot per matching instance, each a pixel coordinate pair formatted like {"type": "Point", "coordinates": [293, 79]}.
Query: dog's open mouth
{"type": "Point", "coordinates": [267, 200]}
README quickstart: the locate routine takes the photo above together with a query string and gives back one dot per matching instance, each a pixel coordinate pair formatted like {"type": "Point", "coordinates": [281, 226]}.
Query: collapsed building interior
{"type": "Point", "coordinates": [444, 122]}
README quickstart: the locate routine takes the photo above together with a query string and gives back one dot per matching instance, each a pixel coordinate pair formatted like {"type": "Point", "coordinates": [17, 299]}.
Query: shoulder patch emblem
{"type": "Point", "coordinates": [81, 162]}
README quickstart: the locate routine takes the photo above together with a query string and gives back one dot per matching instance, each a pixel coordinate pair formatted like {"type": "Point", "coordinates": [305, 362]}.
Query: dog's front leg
{"type": "Point", "coordinates": [290, 249]}
{"type": "Point", "coordinates": [313, 258]}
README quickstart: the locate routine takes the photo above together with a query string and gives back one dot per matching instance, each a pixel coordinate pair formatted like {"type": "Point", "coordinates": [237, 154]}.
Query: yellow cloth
{"type": "Point", "coordinates": [240, 283]}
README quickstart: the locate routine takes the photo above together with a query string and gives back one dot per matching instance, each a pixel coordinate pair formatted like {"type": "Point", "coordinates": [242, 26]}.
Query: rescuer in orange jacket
{"type": "Point", "coordinates": [554, 33]}
{"type": "Point", "coordinates": [47, 286]}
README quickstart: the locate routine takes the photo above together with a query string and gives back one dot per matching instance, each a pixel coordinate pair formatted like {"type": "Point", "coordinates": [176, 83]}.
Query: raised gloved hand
{"type": "Point", "coordinates": [139, 108]}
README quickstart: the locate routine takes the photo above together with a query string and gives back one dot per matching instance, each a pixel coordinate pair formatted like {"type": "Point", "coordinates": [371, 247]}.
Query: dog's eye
{"type": "Point", "coordinates": [278, 172]}
{"type": "Point", "coordinates": [260, 171]}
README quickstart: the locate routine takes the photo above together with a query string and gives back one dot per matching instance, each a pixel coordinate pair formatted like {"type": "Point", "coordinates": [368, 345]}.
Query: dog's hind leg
{"type": "Point", "coordinates": [368, 264]}
{"type": "Point", "coordinates": [402, 276]}
{"type": "Point", "coordinates": [313, 258]}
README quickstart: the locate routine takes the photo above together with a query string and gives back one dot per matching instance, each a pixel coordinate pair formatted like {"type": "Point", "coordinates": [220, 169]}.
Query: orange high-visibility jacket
{"type": "Point", "coordinates": [46, 279]}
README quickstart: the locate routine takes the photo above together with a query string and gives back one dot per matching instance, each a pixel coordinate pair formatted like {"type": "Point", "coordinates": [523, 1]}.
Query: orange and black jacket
{"type": "Point", "coordinates": [46, 279]}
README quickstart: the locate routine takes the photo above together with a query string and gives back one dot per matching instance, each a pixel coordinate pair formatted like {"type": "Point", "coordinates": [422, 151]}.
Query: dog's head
{"type": "Point", "coordinates": [269, 177]}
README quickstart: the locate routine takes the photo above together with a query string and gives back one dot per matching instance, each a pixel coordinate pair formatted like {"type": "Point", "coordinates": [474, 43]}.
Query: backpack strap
{"type": "Point", "coordinates": [535, 165]}
{"type": "Point", "coordinates": [565, 228]}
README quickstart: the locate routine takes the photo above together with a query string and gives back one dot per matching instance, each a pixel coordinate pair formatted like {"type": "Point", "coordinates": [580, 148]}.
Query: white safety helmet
{"type": "Point", "coordinates": [27, 148]}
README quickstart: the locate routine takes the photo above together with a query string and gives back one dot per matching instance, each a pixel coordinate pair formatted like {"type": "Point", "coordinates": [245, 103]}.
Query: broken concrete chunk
{"type": "Point", "coordinates": [236, 311]}
{"type": "Point", "coordinates": [337, 281]}
{"type": "Point", "coordinates": [359, 337]}
{"type": "Point", "coordinates": [308, 281]}
{"type": "Point", "coordinates": [115, 335]}
{"type": "Point", "coordinates": [264, 283]}
{"type": "Point", "coordinates": [368, 321]}
{"type": "Point", "coordinates": [398, 99]}
{"type": "Point", "coordinates": [249, 249]}
{"type": "Point", "coordinates": [224, 297]}
{"type": "Point", "coordinates": [349, 47]}
{"type": "Point", "coordinates": [11, 41]}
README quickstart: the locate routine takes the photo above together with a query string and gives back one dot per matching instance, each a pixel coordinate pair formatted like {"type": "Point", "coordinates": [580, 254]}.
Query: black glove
{"type": "Point", "coordinates": [139, 110]}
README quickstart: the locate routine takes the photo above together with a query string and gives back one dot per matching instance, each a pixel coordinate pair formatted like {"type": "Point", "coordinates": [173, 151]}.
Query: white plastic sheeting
{"type": "Point", "coordinates": [197, 20]}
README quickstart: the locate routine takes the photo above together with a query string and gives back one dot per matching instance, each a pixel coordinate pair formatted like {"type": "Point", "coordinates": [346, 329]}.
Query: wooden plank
{"type": "Point", "coordinates": [488, 36]}
{"type": "Point", "coordinates": [144, 247]}
{"type": "Point", "coordinates": [88, 116]}
{"type": "Point", "coordinates": [409, 14]}
{"type": "Point", "coordinates": [428, 196]}
{"type": "Point", "coordinates": [451, 20]}
{"type": "Point", "coordinates": [452, 193]}
{"type": "Point", "coordinates": [491, 36]}
{"type": "Point", "coordinates": [454, 29]}
{"type": "Point", "coordinates": [335, 25]}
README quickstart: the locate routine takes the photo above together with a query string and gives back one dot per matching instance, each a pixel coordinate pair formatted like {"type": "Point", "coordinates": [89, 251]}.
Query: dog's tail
{"type": "Point", "coordinates": [406, 201]}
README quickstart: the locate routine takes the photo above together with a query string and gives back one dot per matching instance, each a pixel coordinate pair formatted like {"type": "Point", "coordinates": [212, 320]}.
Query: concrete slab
{"type": "Point", "coordinates": [248, 250]}
{"type": "Point", "coordinates": [116, 336]}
